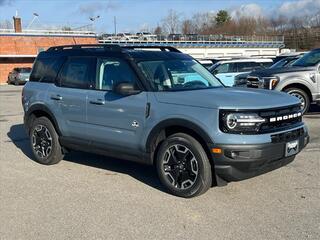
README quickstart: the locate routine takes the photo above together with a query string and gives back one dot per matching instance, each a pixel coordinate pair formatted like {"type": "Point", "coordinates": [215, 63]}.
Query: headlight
{"type": "Point", "coordinates": [271, 82]}
{"type": "Point", "coordinates": [240, 122]}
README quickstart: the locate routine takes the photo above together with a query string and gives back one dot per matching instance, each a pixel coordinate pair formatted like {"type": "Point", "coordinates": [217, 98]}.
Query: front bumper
{"type": "Point", "coordinates": [238, 162]}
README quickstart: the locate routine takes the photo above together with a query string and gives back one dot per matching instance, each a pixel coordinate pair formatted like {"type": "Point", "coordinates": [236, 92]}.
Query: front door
{"type": "Point", "coordinates": [115, 121]}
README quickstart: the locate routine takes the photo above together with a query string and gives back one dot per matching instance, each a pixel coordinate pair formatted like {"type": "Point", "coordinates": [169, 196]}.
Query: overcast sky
{"type": "Point", "coordinates": [132, 15]}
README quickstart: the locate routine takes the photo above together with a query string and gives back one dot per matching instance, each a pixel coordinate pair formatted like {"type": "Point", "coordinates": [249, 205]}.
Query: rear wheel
{"type": "Point", "coordinates": [183, 166]}
{"type": "Point", "coordinates": [45, 142]}
{"type": "Point", "coordinates": [16, 82]}
{"type": "Point", "coordinates": [302, 96]}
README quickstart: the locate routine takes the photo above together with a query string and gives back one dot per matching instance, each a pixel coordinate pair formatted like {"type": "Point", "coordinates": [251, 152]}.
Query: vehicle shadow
{"type": "Point", "coordinates": [313, 111]}
{"type": "Point", "coordinates": [143, 173]}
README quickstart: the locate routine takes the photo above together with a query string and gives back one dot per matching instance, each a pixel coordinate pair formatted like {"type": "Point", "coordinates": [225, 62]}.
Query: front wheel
{"type": "Point", "coordinates": [302, 96]}
{"type": "Point", "coordinates": [183, 166]}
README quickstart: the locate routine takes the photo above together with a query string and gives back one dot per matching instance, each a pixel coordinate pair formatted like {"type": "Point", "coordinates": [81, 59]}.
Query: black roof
{"type": "Point", "coordinates": [137, 53]}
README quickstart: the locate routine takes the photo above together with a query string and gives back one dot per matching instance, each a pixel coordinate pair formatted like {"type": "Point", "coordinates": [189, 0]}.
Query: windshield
{"type": "Point", "coordinates": [284, 62]}
{"type": "Point", "coordinates": [310, 59]}
{"type": "Point", "coordinates": [178, 75]}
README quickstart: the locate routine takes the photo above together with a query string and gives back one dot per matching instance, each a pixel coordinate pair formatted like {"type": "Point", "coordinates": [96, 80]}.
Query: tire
{"type": "Point", "coordinates": [183, 166]}
{"type": "Point", "coordinates": [16, 82]}
{"type": "Point", "coordinates": [302, 96]}
{"type": "Point", "coordinates": [44, 142]}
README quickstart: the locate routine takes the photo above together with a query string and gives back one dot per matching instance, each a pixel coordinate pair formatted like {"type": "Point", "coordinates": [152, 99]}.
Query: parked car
{"type": "Point", "coordinates": [19, 75]}
{"type": "Point", "coordinates": [161, 108]}
{"type": "Point", "coordinates": [227, 70]}
{"type": "Point", "coordinates": [241, 79]}
{"type": "Point", "coordinates": [301, 80]}
{"type": "Point", "coordinates": [146, 36]}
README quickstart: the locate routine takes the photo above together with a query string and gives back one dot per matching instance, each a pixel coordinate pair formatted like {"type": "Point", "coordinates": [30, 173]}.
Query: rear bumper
{"type": "Point", "coordinates": [238, 162]}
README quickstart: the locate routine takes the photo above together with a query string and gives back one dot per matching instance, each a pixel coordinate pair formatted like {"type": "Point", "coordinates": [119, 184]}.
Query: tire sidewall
{"type": "Point", "coordinates": [302, 93]}
{"type": "Point", "coordinates": [193, 190]}
{"type": "Point", "coordinates": [51, 159]}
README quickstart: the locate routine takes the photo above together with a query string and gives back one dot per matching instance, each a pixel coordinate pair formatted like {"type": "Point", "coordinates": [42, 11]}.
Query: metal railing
{"type": "Point", "coordinates": [48, 32]}
{"type": "Point", "coordinates": [194, 38]}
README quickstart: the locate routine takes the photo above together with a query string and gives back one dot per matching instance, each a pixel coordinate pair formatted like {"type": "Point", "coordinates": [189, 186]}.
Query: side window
{"type": "Point", "coordinates": [46, 69]}
{"type": "Point", "coordinates": [266, 64]}
{"type": "Point", "coordinates": [77, 72]}
{"type": "Point", "coordinates": [223, 68]}
{"type": "Point", "coordinates": [111, 72]}
{"type": "Point", "coordinates": [247, 66]}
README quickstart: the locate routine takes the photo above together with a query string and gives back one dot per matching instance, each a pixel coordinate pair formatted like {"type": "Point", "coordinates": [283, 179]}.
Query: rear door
{"type": "Point", "coordinates": [115, 121]}
{"type": "Point", "coordinates": [68, 98]}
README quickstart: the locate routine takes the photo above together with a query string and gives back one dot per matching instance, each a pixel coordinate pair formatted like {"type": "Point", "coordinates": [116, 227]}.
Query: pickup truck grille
{"type": "Point", "coordinates": [253, 82]}
{"type": "Point", "coordinates": [281, 118]}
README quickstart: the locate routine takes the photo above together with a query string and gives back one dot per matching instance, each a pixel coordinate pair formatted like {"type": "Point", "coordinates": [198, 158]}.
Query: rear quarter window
{"type": "Point", "coordinates": [46, 69]}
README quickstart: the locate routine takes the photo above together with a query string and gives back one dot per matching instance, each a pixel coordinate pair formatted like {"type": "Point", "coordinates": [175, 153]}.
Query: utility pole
{"type": "Point", "coordinates": [115, 25]}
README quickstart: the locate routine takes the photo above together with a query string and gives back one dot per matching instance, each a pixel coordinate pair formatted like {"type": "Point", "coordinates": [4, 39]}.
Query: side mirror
{"type": "Point", "coordinates": [126, 89]}
{"type": "Point", "coordinates": [215, 72]}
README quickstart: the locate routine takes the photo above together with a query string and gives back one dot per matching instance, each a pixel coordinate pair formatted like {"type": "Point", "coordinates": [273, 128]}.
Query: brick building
{"type": "Point", "coordinates": [18, 47]}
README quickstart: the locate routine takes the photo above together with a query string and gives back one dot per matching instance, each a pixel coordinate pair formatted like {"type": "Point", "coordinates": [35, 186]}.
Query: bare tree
{"type": "Point", "coordinates": [6, 24]}
{"type": "Point", "coordinates": [171, 23]}
{"type": "Point", "coordinates": [158, 30]}
{"type": "Point", "coordinates": [187, 27]}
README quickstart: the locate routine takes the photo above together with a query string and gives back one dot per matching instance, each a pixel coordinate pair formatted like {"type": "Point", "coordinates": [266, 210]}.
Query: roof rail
{"type": "Point", "coordinates": [162, 48]}
{"type": "Point", "coordinates": [108, 47]}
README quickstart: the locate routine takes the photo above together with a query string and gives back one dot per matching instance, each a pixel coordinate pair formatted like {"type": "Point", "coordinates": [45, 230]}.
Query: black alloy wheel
{"type": "Point", "coordinates": [183, 166]}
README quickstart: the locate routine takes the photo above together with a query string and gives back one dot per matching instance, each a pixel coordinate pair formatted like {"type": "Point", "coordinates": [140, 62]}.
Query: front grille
{"type": "Point", "coordinates": [253, 82]}
{"type": "Point", "coordinates": [281, 118]}
{"type": "Point", "coordinates": [287, 136]}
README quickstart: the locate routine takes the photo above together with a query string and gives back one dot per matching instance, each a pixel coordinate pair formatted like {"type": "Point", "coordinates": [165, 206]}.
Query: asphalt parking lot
{"type": "Point", "coordinates": [93, 197]}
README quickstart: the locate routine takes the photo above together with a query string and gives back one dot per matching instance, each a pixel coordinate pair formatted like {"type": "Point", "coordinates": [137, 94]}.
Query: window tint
{"type": "Point", "coordinates": [77, 72]}
{"type": "Point", "coordinates": [111, 72]}
{"type": "Point", "coordinates": [266, 64]}
{"type": "Point", "coordinates": [46, 69]}
{"type": "Point", "coordinates": [310, 59]}
{"type": "Point", "coordinates": [225, 68]}
{"type": "Point", "coordinates": [247, 66]}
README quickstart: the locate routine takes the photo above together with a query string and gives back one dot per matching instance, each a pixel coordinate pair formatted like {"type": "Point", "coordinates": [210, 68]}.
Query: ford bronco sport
{"type": "Point", "coordinates": [157, 106]}
{"type": "Point", "coordinates": [301, 79]}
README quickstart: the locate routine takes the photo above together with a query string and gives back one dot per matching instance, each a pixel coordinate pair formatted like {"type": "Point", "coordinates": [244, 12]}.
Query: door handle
{"type": "Point", "coordinates": [56, 97]}
{"type": "Point", "coordinates": [98, 102]}
{"type": "Point", "coordinates": [228, 75]}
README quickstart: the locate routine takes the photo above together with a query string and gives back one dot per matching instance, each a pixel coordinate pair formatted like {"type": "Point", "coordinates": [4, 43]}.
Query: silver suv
{"type": "Point", "coordinates": [301, 79]}
{"type": "Point", "coordinates": [161, 108]}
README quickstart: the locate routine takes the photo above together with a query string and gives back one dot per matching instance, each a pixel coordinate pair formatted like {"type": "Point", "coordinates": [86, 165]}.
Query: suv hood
{"type": "Point", "coordinates": [228, 98]}
{"type": "Point", "coordinates": [274, 71]}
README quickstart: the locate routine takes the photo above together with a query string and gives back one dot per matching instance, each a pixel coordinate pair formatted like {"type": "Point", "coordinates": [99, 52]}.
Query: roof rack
{"type": "Point", "coordinates": [109, 47]}
{"type": "Point", "coordinates": [162, 48]}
